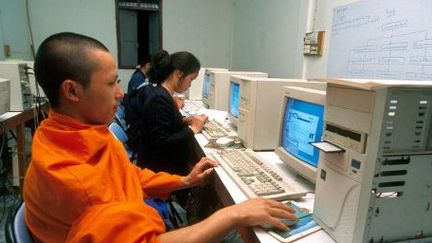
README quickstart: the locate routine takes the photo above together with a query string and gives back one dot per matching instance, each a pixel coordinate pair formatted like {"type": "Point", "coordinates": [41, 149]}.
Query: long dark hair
{"type": "Point", "coordinates": [163, 65]}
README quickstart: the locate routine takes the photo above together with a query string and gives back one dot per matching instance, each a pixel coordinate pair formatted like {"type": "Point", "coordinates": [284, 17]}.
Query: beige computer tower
{"type": "Point", "coordinates": [379, 188]}
{"type": "Point", "coordinates": [34, 86]}
{"type": "Point", "coordinates": [4, 95]}
{"type": "Point", "coordinates": [219, 87]}
{"type": "Point", "coordinates": [20, 91]}
{"type": "Point", "coordinates": [260, 109]}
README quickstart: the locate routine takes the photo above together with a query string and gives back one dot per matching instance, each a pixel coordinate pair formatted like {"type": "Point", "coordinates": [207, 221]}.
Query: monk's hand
{"type": "Point", "coordinates": [199, 172]}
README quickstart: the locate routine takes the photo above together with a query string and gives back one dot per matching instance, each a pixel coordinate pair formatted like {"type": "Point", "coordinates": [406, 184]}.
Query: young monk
{"type": "Point", "coordinates": [81, 187]}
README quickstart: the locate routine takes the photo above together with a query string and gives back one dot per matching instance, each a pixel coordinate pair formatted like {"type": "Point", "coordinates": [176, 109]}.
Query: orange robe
{"type": "Point", "coordinates": [81, 187]}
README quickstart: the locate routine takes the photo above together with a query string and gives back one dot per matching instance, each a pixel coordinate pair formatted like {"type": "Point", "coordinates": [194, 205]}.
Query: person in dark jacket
{"type": "Point", "coordinates": [162, 138]}
{"type": "Point", "coordinates": [139, 77]}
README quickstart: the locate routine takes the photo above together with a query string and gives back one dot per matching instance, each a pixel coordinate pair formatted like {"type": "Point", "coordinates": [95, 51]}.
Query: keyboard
{"type": "Point", "coordinates": [213, 130]}
{"type": "Point", "coordinates": [255, 177]}
{"type": "Point", "coordinates": [192, 106]}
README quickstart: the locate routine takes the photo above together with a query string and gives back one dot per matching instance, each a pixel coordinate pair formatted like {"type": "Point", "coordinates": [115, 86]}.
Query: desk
{"type": "Point", "coordinates": [17, 120]}
{"type": "Point", "coordinates": [229, 193]}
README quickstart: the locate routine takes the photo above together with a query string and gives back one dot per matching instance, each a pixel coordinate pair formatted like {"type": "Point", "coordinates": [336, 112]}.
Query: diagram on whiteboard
{"type": "Point", "coordinates": [382, 39]}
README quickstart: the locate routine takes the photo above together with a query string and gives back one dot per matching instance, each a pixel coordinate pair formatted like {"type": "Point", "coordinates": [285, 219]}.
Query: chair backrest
{"type": "Point", "coordinates": [120, 112]}
{"type": "Point", "coordinates": [118, 132]}
{"type": "Point", "coordinates": [122, 136]}
{"type": "Point", "coordinates": [16, 228]}
{"type": "Point", "coordinates": [120, 117]}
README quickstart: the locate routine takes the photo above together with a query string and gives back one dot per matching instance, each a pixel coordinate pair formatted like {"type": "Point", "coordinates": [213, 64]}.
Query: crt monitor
{"type": "Point", "coordinates": [260, 109]}
{"type": "Point", "coordinates": [195, 92]}
{"type": "Point", "coordinates": [301, 123]}
{"type": "Point", "coordinates": [234, 101]}
{"type": "Point", "coordinates": [4, 95]}
{"type": "Point", "coordinates": [218, 87]}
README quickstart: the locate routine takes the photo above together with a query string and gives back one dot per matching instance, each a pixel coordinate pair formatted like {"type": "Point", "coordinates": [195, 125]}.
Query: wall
{"type": "Point", "coordinates": [13, 30]}
{"type": "Point", "coordinates": [316, 67]}
{"type": "Point", "coordinates": [187, 25]}
{"type": "Point", "coordinates": [203, 27]}
{"type": "Point", "coordinates": [268, 36]}
{"type": "Point", "coordinates": [236, 34]}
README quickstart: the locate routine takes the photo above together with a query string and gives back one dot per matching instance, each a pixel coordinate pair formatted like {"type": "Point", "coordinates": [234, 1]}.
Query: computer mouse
{"type": "Point", "coordinates": [224, 142]}
{"type": "Point", "coordinates": [287, 222]}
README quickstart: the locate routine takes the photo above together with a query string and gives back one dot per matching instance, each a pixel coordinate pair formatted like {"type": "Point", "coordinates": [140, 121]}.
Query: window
{"type": "Point", "coordinates": [139, 30]}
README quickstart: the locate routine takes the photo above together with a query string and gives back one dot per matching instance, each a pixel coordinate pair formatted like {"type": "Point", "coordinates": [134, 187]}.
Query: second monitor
{"type": "Point", "coordinates": [196, 88]}
{"type": "Point", "coordinates": [255, 108]}
{"type": "Point", "coordinates": [216, 86]}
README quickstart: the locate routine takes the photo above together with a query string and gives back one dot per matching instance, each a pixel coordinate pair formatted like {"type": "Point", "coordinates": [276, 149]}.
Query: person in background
{"type": "Point", "coordinates": [80, 185]}
{"type": "Point", "coordinates": [139, 77]}
{"type": "Point", "coordinates": [161, 137]}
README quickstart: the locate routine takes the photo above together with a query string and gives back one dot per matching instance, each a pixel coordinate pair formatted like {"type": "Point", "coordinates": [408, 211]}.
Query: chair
{"type": "Point", "coordinates": [16, 228]}
{"type": "Point", "coordinates": [122, 136]}
{"type": "Point", "coordinates": [120, 117]}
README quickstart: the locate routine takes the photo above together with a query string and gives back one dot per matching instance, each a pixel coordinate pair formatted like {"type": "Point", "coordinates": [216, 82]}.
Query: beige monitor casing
{"type": "Point", "coordinates": [218, 94]}
{"type": "Point", "coordinates": [20, 91]}
{"type": "Point", "coordinates": [4, 95]}
{"type": "Point", "coordinates": [195, 91]}
{"type": "Point", "coordinates": [260, 109]}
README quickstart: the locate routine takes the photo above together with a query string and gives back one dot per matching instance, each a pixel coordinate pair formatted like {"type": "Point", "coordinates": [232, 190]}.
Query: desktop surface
{"type": "Point", "coordinates": [236, 195]}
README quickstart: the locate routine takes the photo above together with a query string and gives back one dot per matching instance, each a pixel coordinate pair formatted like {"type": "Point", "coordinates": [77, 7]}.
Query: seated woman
{"type": "Point", "coordinates": [162, 138]}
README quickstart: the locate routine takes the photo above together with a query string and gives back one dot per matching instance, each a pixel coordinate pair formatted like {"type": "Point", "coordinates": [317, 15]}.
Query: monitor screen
{"type": "Point", "coordinates": [302, 124]}
{"type": "Point", "coordinates": [206, 85]}
{"type": "Point", "coordinates": [234, 99]}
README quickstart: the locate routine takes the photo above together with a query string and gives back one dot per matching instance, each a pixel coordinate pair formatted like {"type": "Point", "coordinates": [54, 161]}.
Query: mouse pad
{"type": "Point", "coordinates": [305, 225]}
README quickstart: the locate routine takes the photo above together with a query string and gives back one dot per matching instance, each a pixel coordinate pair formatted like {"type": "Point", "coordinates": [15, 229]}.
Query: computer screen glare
{"type": "Point", "coordinates": [234, 99]}
{"type": "Point", "coordinates": [302, 124]}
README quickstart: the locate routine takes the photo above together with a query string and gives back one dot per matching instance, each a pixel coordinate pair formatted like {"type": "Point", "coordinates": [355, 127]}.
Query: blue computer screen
{"type": "Point", "coordinates": [302, 124]}
{"type": "Point", "coordinates": [234, 99]}
{"type": "Point", "coordinates": [206, 85]}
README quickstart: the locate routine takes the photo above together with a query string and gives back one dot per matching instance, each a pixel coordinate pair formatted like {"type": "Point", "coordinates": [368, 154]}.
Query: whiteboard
{"type": "Point", "coordinates": [382, 39]}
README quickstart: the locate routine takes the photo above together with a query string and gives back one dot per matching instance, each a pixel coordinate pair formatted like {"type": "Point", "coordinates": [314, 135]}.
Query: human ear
{"type": "Point", "coordinates": [70, 90]}
{"type": "Point", "coordinates": [178, 74]}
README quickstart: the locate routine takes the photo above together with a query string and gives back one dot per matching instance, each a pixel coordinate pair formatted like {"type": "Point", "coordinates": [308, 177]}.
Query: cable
{"type": "Point", "coordinates": [37, 101]}
{"type": "Point", "coordinates": [30, 30]}
{"type": "Point", "coordinates": [3, 140]}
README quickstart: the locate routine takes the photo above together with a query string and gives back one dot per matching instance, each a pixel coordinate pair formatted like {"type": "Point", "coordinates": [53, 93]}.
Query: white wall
{"type": "Point", "coordinates": [235, 34]}
{"type": "Point", "coordinates": [13, 30]}
{"type": "Point", "coordinates": [203, 27]}
{"type": "Point", "coordinates": [94, 18]}
{"type": "Point", "coordinates": [316, 67]}
{"type": "Point", "coordinates": [268, 36]}
{"type": "Point", "coordinates": [187, 25]}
